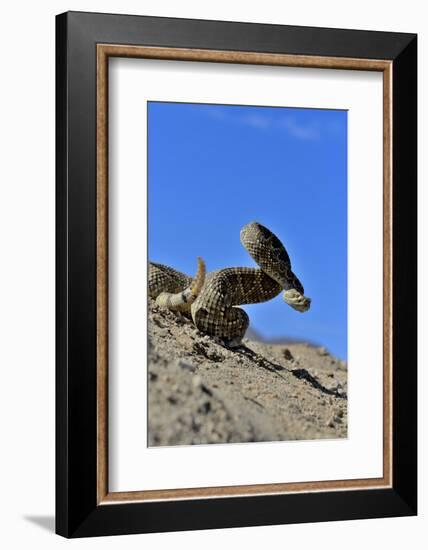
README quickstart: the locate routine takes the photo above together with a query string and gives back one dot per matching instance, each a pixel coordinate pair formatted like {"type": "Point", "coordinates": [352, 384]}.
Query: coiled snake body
{"type": "Point", "coordinates": [211, 300]}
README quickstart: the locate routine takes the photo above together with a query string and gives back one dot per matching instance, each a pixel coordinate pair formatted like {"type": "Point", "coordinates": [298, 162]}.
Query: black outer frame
{"type": "Point", "coordinates": [77, 513]}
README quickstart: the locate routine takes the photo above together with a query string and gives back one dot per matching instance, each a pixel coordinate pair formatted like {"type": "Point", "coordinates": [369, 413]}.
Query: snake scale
{"type": "Point", "coordinates": [211, 300]}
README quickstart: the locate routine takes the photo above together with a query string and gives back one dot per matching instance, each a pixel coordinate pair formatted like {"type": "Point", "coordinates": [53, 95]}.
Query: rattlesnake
{"type": "Point", "coordinates": [210, 299]}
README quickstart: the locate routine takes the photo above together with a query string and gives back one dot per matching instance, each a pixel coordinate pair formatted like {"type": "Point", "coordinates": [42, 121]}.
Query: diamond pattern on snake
{"type": "Point", "coordinates": [211, 300]}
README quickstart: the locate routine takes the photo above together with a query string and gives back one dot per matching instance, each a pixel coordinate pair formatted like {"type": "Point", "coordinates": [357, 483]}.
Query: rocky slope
{"type": "Point", "coordinates": [201, 392]}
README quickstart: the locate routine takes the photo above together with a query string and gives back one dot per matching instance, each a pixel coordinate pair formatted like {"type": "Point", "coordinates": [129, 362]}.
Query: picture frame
{"type": "Point", "coordinates": [84, 44]}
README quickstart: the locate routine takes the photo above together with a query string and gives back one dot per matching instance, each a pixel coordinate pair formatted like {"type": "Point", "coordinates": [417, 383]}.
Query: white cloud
{"type": "Point", "coordinates": [256, 120]}
{"type": "Point", "coordinates": [215, 113]}
{"type": "Point", "coordinates": [301, 131]}
{"type": "Point", "coordinates": [261, 121]}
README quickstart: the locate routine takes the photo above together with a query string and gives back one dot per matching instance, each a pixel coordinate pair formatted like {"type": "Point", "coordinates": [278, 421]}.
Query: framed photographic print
{"type": "Point", "coordinates": [236, 274]}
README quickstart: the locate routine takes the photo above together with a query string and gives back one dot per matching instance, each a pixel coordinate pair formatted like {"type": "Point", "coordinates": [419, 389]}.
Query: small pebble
{"type": "Point", "coordinates": [197, 381]}
{"type": "Point", "coordinates": [287, 354]}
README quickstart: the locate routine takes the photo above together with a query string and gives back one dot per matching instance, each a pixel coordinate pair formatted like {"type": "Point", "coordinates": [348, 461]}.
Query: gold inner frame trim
{"type": "Point", "coordinates": [104, 51]}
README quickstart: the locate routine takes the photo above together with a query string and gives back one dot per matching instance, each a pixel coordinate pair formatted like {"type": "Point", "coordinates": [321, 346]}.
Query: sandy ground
{"type": "Point", "coordinates": [201, 392]}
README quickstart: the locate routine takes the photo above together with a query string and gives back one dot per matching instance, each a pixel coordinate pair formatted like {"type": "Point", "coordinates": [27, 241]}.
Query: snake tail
{"type": "Point", "coordinates": [181, 301]}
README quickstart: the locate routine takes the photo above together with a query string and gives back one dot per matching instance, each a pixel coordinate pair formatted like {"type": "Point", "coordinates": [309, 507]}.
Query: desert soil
{"type": "Point", "coordinates": [202, 392]}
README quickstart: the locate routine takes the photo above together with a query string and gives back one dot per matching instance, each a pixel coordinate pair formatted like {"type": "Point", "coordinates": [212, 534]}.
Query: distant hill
{"type": "Point", "coordinates": [255, 336]}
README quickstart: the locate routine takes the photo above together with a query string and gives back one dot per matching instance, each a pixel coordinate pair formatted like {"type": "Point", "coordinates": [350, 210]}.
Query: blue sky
{"type": "Point", "coordinates": [214, 168]}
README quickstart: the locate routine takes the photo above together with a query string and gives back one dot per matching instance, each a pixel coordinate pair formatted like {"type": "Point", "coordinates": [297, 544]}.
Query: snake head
{"type": "Point", "coordinates": [296, 300]}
